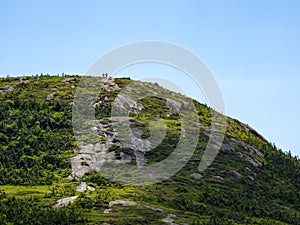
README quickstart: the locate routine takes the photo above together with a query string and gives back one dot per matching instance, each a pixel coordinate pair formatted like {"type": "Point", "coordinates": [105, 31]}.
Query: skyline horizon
{"type": "Point", "coordinates": [252, 48]}
{"type": "Point", "coordinates": [272, 142]}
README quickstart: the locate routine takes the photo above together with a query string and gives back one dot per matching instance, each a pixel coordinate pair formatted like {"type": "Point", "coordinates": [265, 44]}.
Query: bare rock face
{"type": "Point", "coordinates": [89, 158]}
{"type": "Point", "coordinates": [22, 80]}
{"type": "Point", "coordinates": [217, 178]}
{"type": "Point", "coordinates": [251, 160]}
{"type": "Point", "coordinates": [109, 84]}
{"type": "Point", "coordinates": [50, 96]}
{"type": "Point", "coordinates": [8, 88]}
{"type": "Point", "coordinates": [64, 202]}
{"type": "Point", "coordinates": [235, 174]}
{"type": "Point", "coordinates": [123, 98]}
{"type": "Point", "coordinates": [169, 219]}
{"type": "Point", "coordinates": [122, 202]}
{"type": "Point", "coordinates": [68, 79]}
{"type": "Point", "coordinates": [106, 211]}
{"type": "Point", "coordinates": [173, 105]}
{"type": "Point", "coordinates": [253, 152]}
{"type": "Point", "coordinates": [233, 144]}
{"type": "Point", "coordinates": [196, 175]}
{"type": "Point", "coordinates": [251, 177]}
{"type": "Point", "coordinates": [83, 187]}
{"type": "Point", "coordinates": [93, 156]}
{"type": "Point", "coordinates": [153, 208]}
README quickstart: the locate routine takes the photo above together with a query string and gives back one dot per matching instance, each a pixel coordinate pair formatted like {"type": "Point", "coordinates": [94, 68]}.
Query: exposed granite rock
{"type": "Point", "coordinates": [251, 177]}
{"type": "Point", "coordinates": [106, 211]}
{"type": "Point", "coordinates": [153, 208]}
{"type": "Point", "coordinates": [109, 84]}
{"type": "Point", "coordinates": [64, 202]}
{"type": "Point", "coordinates": [173, 105]}
{"type": "Point", "coordinates": [232, 145]}
{"type": "Point", "coordinates": [93, 156]}
{"type": "Point", "coordinates": [122, 202]}
{"type": "Point", "coordinates": [217, 178]}
{"type": "Point", "coordinates": [196, 175]}
{"type": "Point", "coordinates": [83, 187]}
{"type": "Point", "coordinates": [251, 160]}
{"type": "Point", "coordinates": [22, 80]}
{"type": "Point", "coordinates": [68, 79]}
{"type": "Point", "coordinates": [50, 96]}
{"type": "Point", "coordinates": [169, 219]}
{"type": "Point", "coordinates": [235, 174]}
{"type": "Point", "coordinates": [8, 88]}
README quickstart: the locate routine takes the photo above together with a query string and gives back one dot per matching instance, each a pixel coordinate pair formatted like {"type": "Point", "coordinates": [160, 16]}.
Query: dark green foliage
{"type": "Point", "coordinates": [26, 211]}
{"type": "Point", "coordinates": [36, 133]}
{"type": "Point", "coordinates": [39, 136]}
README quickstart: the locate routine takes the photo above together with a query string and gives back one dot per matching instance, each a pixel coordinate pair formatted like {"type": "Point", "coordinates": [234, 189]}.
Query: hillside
{"type": "Point", "coordinates": [42, 166]}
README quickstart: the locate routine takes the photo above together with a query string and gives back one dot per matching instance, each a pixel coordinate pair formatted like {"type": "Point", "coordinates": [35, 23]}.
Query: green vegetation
{"type": "Point", "coordinates": [250, 181]}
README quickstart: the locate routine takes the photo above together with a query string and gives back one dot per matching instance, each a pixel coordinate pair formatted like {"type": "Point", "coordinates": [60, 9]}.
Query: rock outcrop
{"type": "Point", "coordinates": [64, 202]}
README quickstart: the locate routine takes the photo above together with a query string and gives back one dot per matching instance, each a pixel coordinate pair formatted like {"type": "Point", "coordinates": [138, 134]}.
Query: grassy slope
{"type": "Point", "coordinates": [37, 143]}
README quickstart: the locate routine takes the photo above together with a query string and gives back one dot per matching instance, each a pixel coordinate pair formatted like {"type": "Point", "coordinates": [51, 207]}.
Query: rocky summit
{"type": "Point", "coordinates": [103, 150]}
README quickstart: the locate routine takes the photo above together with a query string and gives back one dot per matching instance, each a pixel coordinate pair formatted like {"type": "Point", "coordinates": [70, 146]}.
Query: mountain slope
{"type": "Point", "coordinates": [249, 182]}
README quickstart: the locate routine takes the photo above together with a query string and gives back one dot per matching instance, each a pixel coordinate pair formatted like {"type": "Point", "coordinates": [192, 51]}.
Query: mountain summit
{"type": "Point", "coordinates": [68, 156]}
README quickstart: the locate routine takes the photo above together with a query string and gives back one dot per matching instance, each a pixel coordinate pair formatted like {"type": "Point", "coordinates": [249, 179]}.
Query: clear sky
{"type": "Point", "coordinates": [252, 47]}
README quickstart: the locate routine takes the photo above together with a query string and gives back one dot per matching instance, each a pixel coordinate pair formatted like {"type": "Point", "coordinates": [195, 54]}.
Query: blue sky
{"type": "Point", "coordinates": [252, 47]}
